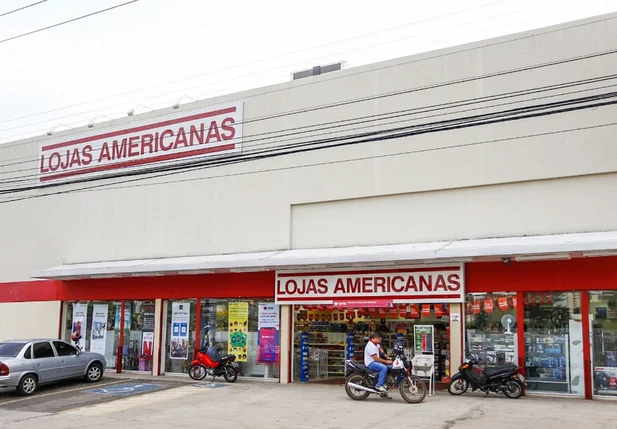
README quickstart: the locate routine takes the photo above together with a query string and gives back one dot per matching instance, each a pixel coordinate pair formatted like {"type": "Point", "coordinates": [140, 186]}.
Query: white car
{"type": "Point", "coordinates": [26, 364]}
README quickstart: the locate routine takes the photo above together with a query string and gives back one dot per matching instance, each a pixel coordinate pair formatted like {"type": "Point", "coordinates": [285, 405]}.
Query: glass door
{"type": "Point", "coordinates": [603, 319]}
{"type": "Point", "coordinates": [554, 360]}
{"type": "Point", "coordinates": [138, 336]}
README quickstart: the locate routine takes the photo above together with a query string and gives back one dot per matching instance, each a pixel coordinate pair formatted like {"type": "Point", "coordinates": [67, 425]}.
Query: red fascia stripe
{"type": "Point", "coordinates": [140, 128]}
{"type": "Point", "coordinates": [388, 297]}
{"type": "Point", "coordinates": [360, 272]}
{"type": "Point", "coordinates": [137, 162]}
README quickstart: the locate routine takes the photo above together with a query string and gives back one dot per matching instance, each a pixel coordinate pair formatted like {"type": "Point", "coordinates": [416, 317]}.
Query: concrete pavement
{"type": "Point", "coordinates": [268, 405]}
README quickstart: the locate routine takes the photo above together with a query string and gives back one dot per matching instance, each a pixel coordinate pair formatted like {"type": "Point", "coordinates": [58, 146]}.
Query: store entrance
{"type": "Point", "coordinates": [325, 336]}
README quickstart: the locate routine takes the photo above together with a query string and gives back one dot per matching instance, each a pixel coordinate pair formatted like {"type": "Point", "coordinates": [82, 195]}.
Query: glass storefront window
{"type": "Point", "coordinates": [491, 328]}
{"type": "Point", "coordinates": [325, 336]}
{"type": "Point", "coordinates": [138, 336]}
{"type": "Point", "coordinates": [95, 327]}
{"type": "Point", "coordinates": [248, 329]}
{"type": "Point", "coordinates": [603, 319]}
{"type": "Point", "coordinates": [554, 342]}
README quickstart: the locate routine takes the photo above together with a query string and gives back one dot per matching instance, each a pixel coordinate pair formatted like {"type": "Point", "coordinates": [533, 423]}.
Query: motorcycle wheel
{"type": "Point", "coordinates": [458, 387]}
{"type": "Point", "coordinates": [355, 394]}
{"type": "Point", "coordinates": [197, 372]}
{"type": "Point", "coordinates": [230, 374]}
{"type": "Point", "coordinates": [513, 389]}
{"type": "Point", "coordinates": [412, 389]}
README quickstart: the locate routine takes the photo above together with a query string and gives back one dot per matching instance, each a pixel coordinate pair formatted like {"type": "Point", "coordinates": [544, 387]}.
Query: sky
{"type": "Point", "coordinates": [153, 53]}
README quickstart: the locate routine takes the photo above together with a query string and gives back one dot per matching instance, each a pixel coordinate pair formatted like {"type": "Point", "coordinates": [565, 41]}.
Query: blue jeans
{"type": "Point", "coordinates": [383, 371]}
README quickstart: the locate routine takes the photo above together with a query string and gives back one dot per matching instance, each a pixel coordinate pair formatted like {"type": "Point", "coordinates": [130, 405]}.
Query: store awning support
{"type": "Point", "coordinates": [546, 247]}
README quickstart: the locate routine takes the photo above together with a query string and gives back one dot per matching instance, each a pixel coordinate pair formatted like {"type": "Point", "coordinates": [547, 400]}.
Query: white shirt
{"type": "Point", "coordinates": [370, 350]}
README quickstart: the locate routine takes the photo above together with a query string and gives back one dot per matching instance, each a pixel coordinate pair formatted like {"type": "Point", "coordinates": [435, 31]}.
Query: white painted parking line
{"type": "Point", "coordinates": [127, 403]}
{"type": "Point", "coordinates": [43, 395]}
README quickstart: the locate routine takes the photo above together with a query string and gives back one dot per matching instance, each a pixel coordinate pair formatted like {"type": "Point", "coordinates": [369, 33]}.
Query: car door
{"type": "Point", "coordinates": [45, 361]}
{"type": "Point", "coordinates": [70, 363]}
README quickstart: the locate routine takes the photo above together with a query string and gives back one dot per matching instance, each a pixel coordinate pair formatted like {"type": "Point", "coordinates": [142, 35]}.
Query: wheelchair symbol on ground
{"type": "Point", "coordinates": [126, 389]}
{"type": "Point", "coordinates": [209, 385]}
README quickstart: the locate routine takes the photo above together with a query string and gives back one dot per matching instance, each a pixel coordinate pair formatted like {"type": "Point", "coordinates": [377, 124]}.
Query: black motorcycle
{"type": "Point", "coordinates": [361, 381]}
{"type": "Point", "coordinates": [504, 379]}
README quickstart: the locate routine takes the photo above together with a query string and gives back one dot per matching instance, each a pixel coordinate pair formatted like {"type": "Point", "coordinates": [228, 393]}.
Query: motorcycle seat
{"type": "Point", "coordinates": [221, 358]}
{"type": "Point", "coordinates": [361, 367]}
{"type": "Point", "coordinates": [500, 369]}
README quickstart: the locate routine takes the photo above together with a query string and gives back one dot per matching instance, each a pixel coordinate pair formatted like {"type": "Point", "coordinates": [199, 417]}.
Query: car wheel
{"type": "Point", "coordinates": [28, 385]}
{"type": "Point", "coordinates": [94, 373]}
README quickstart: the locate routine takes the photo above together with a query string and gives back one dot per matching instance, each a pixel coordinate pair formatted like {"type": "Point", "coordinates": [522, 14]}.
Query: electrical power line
{"type": "Point", "coordinates": [374, 97]}
{"type": "Point", "coordinates": [257, 61]}
{"type": "Point", "coordinates": [21, 8]}
{"type": "Point", "coordinates": [333, 127]}
{"type": "Point", "coordinates": [498, 117]}
{"type": "Point", "coordinates": [103, 187]}
{"type": "Point", "coordinates": [67, 21]}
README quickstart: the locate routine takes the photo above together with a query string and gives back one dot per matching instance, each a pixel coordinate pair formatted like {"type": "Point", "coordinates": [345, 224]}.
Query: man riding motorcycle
{"type": "Point", "coordinates": [374, 361]}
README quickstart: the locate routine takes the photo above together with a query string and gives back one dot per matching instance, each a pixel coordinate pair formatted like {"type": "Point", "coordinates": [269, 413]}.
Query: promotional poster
{"type": "Point", "coordinates": [268, 339]}
{"type": "Point", "coordinates": [423, 338]}
{"type": "Point", "coordinates": [147, 342]}
{"type": "Point", "coordinates": [98, 334]}
{"type": "Point", "coordinates": [238, 320]}
{"type": "Point", "coordinates": [78, 331]}
{"type": "Point", "coordinates": [179, 343]}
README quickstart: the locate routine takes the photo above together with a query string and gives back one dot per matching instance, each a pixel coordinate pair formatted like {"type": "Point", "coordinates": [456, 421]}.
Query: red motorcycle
{"type": "Point", "coordinates": [211, 364]}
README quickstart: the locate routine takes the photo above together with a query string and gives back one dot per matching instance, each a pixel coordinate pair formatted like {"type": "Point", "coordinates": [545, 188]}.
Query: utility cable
{"type": "Point", "coordinates": [257, 61]}
{"type": "Point", "coordinates": [369, 121]}
{"type": "Point", "coordinates": [21, 8]}
{"type": "Point", "coordinates": [374, 97]}
{"type": "Point", "coordinates": [102, 187]}
{"type": "Point", "coordinates": [58, 24]}
{"type": "Point", "coordinates": [395, 133]}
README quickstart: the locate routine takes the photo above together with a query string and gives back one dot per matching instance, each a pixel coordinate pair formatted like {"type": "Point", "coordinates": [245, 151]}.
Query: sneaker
{"type": "Point", "coordinates": [381, 389]}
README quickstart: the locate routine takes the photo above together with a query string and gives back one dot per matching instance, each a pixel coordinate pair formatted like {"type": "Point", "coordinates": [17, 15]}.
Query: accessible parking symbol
{"type": "Point", "coordinates": [126, 389]}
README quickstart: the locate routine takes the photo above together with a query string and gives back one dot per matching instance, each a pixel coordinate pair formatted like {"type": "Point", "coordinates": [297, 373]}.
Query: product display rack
{"type": "Point", "coordinates": [492, 348]}
{"type": "Point", "coordinates": [547, 361]}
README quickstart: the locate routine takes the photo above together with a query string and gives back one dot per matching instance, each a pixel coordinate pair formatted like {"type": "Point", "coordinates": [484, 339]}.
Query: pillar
{"type": "Point", "coordinates": [158, 337]}
{"type": "Point", "coordinates": [457, 347]}
{"type": "Point", "coordinates": [286, 344]}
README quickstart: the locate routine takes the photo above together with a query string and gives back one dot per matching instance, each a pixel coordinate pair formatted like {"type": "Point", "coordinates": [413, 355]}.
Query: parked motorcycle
{"type": "Point", "coordinates": [208, 363]}
{"type": "Point", "coordinates": [504, 379]}
{"type": "Point", "coordinates": [361, 381]}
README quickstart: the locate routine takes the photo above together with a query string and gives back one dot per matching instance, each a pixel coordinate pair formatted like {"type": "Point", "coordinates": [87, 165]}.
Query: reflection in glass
{"type": "Point", "coordinates": [603, 314]}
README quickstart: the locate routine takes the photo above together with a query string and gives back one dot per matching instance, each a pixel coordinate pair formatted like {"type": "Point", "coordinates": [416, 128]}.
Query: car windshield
{"type": "Point", "coordinates": [10, 349]}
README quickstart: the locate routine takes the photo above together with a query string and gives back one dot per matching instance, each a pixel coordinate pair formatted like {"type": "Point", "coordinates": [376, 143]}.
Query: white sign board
{"type": "Point", "coordinates": [403, 285]}
{"type": "Point", "coordinates": [423, 365]}
{"type": "Point", "coordinates": [98, 332]}
{"type": "Point", "coordinates": [161, 140]}
{"type": "Point", "coordinates": [268, 316]}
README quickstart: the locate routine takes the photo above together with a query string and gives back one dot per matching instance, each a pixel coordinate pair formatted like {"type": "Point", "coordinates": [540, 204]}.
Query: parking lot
{"type": "Point", "coordinates": [78, 394]}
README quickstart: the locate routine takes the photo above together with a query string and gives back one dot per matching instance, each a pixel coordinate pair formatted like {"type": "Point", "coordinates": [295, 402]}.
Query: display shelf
{"type": "Point", "coordinates": [547, 359]}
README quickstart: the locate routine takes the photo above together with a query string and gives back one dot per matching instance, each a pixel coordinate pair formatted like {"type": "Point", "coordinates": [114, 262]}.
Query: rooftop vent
{"type": "Point", "coordinates": [317, 70]}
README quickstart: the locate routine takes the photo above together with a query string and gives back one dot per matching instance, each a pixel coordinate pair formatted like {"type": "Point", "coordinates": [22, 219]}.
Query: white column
{"type": "Point", "coordinates": [286, 344]}
{"type": "Point", "coordinates": [456, 338]}
{"type": "Point", "coordinates": [158, 338]}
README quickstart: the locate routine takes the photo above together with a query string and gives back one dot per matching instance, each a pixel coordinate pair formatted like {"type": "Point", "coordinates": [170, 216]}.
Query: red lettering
{"type": "Point", "coordinates": [86, 154]}
{"type": "Point", "coordinates": [440, 284]}
{"type": "Point", "coordinates": [181, 138]}
{"type": "Point", "coordinates": [43, 169]}
{"type": "Point", "coordinates": [134, 146]}
{"type": "Point", "coordinates": [294, 287]}
{"type": "Point", "coordinates": [454, 282]}
{"type": "Point", "coordinates": [75, 158]}
{"type": "Point", "coordinates": [156, 142]}
{"type": "Point", "coordinates": [312, 287]}
{"type": "Point", "coordinates": [118, 151]}
{"type": "Point", "coordinates": [367, 285]}
{"type": "Point", "coordinates": [164, 134]}
{"type": "Point", "coordinates": [395, 288]}
{"type": "Point", "coordinates": [278, 288]}
{"type": "Point", "coordinates": [353, 285]}
{"type": "Point", "coordinates": [198, 135]}
{"type": "Point", "coordinates": [426, 283]}
{"type": "Point", "coordinates": [104, 152]}
{"type": "Point", "coordinates": [146, 142]}
{"type": "Point", "coordinates": [227, 125]}
{"type": "Point", "coordinates": [54, 161]}
{"type": "Point", "coordinates": [411, 284]}
{"type": "Point", "coordinates": [322, 285]}
{"type": "Point", "coordinates": [65, 163]}
{"type": "Point", "coordinates": [339, 287]}
{"type": "Point", "coordinates": [380, 282]}
{"type": "Point", "coordinates": [213, 132]}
